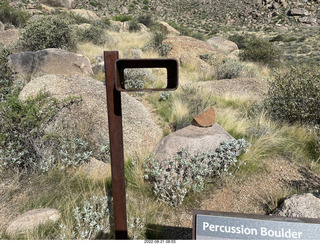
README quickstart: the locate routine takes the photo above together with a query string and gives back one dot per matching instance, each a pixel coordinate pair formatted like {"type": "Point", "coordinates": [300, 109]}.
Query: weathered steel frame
{"type": "Point", "coordinates": [114, 69]}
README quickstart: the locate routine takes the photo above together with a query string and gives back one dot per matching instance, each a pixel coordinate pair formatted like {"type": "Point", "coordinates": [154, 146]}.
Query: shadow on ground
{"type": "Point", "coordinates": [162, 232]}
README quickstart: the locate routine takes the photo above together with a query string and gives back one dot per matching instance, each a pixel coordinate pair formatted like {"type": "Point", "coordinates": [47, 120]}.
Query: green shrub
{"type": "Point", "coordinates": [94, 34]}
{"type": "Point", "coordinates": [134, 26]}
{"type": "Point", "coordinates": [240, 40]}
{"type": "Point", "coordinates": [10, 15]}
{"type": "Point", "coordinates": [6, 75]}
{"type": "Point", "coordinates": [294, 96]}
{"type": "Point", "coordinates": [209, 58]}
{"type": "Point", "coordinates": [122, 18]}
{"type": "Point", "coordinates": [173, 180]}
{"type": "Point", "coordinates": [156, 44]}
{"type": "Point", "coordinates": [146, 20]}
{"type": "Point", "coordinates": [24, 144]}
{"type": "Point", "coordinates": [5, 71]}
{"type": "Point", "coordinates": [233, 69]}
{"type": "Point", "coordinates": [259, 50]}
{"type": "Point", "coordinates": [48, 32]}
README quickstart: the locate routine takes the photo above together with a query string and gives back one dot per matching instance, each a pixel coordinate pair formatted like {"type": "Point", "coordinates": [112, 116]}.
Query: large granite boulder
{"type": "Point", "coordinates": [49, 61]}
{"type": "Point", "coordinates": [223, 44]}
{"type": "Point", "coordinates": [90, 118]}
{"type": "Point", "coordinates": [188, 50]}
{"type": "Point", "coordinates": [194, 139]}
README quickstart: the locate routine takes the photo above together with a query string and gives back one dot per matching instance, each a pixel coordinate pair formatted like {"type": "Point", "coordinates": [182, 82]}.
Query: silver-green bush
{"type": "Point", "coordinates": [90, 220]}
{"type": "Point", "coordinates": [172, 180]}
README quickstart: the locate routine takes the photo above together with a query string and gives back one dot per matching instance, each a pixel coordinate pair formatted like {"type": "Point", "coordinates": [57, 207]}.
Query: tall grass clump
{"type": "Point", "coordinates": [93, 34]}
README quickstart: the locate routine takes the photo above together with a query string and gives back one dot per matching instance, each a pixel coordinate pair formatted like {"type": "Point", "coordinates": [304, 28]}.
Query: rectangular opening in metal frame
{"type": "Point", "coordinates": [171, 65]}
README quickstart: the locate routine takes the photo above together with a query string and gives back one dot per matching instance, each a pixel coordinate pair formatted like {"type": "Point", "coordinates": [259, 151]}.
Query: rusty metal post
{"type": "Point", "coordinates": [116, 147]}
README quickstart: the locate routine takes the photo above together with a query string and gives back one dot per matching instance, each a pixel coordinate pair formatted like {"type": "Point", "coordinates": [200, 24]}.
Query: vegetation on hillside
{"type": "Point", "coordinates": [283, 123]}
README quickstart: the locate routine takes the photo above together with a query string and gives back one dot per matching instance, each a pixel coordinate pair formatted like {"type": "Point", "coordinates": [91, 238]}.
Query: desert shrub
{"type": "Point", "coordinates": [259, 50]}
{"type": "Point", "coordinates": [240, 40]}
{"type": "Point", "coordinates": [6, 75]}
{"type": "Point", "coordinates": [10, 15]}
{"type": "Point", "coordinates": [93, 34]}
{"type": "Point", "coordinates": [24, 143]}
{"type": "Point", "coordinates": [48, 32]}
{"type": "Point", "coordinates": [90, 220]}
{"type": "Point", "coordinates": [122, 18]}
{"type": "Point", "coordinates": [134, 26]}
{"type": "Point", "coordinates": [146, 20]}
{"type": "Point", "coordinates": [156, 44]}
{"type": "Point", "coordinates": [137, 78]}
{"type": "Point", "coordinates": [233, 69]}
{"type": "Point", "coordinates": [173, 180]}
{"type": "Point", "coordinates": [294, 96]}
{"type": "Point", "coordinates": [209, 58]}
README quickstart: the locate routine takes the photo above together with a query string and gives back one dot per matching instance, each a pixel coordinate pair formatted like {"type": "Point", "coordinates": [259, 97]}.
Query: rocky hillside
{"type": "Point", "coordinates": [202, 15]}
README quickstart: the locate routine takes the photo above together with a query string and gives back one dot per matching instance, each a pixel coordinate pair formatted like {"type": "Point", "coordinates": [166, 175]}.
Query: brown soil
{"type": "Point", "coordinates": [260, 193]}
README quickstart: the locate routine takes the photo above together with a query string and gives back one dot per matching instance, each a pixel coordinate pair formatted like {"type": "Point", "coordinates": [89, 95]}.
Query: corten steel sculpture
{"type": "Point", "coordinates": [115, 84]}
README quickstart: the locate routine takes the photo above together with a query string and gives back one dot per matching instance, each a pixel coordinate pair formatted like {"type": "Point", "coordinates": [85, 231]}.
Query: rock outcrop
{"type": "Point", "coordinates": [90, 117]}
{"type": "Point", "coordinates": [60, 3]}
{"type": "Point", "coordinates": [31, 220]}
{"type": "Point", "coordinates": [49, 61]}
{"type": "Point", "coordinates": [300, 206]}
{"type": "Point", "coordinates": [188, 50]}
{"type": "Point", "coordinates": [223, 44]}
{"type": "Point", "coordinates": [194, 139]}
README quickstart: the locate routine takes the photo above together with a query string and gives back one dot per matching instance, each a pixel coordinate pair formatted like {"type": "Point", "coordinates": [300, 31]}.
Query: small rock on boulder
{"type": "Point", "coordinates": [31, 220]}
{"type": "Point", "coordinates": [205, 119]}
{"type": "Point", "coordinates": [49, 61]}
{"type": "Point", "coordinates": [300, 206]}
{"type": "Point", "coordinates": [194, 139]}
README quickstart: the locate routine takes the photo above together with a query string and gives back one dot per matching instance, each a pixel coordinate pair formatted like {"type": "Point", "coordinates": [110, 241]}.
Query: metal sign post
{"type": "Point", "coordinates": [114, 73]}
